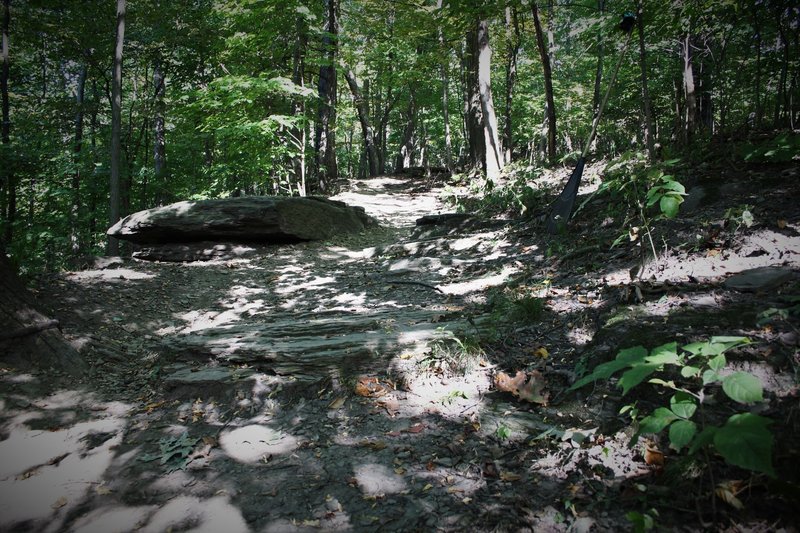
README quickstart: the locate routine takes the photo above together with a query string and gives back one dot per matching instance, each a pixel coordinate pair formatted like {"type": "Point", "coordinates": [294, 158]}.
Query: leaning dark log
{"type": "Point", "coordinates": [30, 339]}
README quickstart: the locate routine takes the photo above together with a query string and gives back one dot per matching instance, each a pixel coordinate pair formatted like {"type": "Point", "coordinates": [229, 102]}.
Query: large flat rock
{"type": "Point", "coordinates": [265, 219]}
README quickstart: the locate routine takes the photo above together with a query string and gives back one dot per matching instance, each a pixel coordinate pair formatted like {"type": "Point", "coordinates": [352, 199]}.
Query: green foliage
{"type": "Point", "coordinates": [743, 440]}
{"type": "Point", "coordinates": [451, 355]}
{"type": "Point", "coordinates": [666, 192]}
{"type": "Point", "coordinates": [515, 194]}
{"type": "Point", "coordinates": [780, 149]}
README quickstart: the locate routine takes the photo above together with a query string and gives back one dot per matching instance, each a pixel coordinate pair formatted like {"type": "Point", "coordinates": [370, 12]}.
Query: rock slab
{"type": "Point", "coordinates": [759, 279]}
{"type": "Point", "coordinates": [264, 219]}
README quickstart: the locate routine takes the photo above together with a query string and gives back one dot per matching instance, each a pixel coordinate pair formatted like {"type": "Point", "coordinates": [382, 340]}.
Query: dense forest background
{"type": "Point", "coordinates": [111, 108]}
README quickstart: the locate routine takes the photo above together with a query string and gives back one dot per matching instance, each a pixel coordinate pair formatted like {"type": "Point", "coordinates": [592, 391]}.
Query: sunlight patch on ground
{"type": "Point", "coordinates": [251, 443]}
{"type": "Point", "coordinates": [376, 480]}
{"type": "Point", "coordinates": [211, 515]}
{"type": "Point", "coordinates": [316, 283]}
{"type": "Point", "coordinates": [110, 275]}
{"type": "Point", "coordinates": [479, 284]}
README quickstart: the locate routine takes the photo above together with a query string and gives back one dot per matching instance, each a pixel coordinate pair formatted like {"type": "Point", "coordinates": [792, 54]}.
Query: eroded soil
{"type": "Point", "coordinates": [336, 385]}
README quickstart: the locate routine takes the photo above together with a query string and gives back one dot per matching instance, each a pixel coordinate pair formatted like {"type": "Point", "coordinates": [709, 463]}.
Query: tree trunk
{"type": "Point", "coordinates": [512, 28]}
{"type": "Point", "coordinates": [448, 143]}
{"type": "Point", "coordinates": [646, 104]}
{"type": "Point", "coordinates": [548, 85]}
{"type": "Point", "coordinates": [27, 337]}
{"type": "Point", "coordinates": [116, 127]}
{"type": "Point", "coordinates": [8, 186]}
{"type": "Point", "coordinates": [598, 76]}
{"type": "Point", "coordinates": [494, 151]}
{"type": "Point", "coordinates": [690, 107]}
{"type": "Point", "coordinates": [366, 127]}
{"type": "Point", "coordinates": [407, 142]}
{"type": "Point", "coordinates": [298, 107]}
{"type": "Point", "coordinates": [159, 134]}
{"type": "Point", "coordinates": [76, 150]}
{"type": "Point", "coordinates": [472, 102]}
{"type": "Point", "coordinates": [759, 111]}
{"type": "Point", "coordinates": [325, 138]}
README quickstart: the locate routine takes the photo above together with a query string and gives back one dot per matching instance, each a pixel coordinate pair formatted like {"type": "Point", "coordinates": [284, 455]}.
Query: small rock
{"type": "Point", "coordinates": [759, 279]}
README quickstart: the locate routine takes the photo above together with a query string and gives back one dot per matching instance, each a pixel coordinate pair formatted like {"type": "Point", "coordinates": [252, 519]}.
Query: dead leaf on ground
{"type": "Point", "coordinates": [416, 428]}
{"type": "Point", "coordinates": [727, 491]}
{"type": "Point", "coordinates": [528, 386]}
{"type": "Point", "coordinates": [59, 503]}
{"type": "Point", "coordinates": [653, 456]}
{"type": "Point", "coordinates": [782, 223]}
{"type": "Point", "coordinates": [371, 387]}
{"type": "Point", "coordinates": [509, 476]}
{"type": "Point", "coordinates": [337, 403]}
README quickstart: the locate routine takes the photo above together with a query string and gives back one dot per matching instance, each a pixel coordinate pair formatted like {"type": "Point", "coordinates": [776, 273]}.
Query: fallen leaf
{"type": "Point", "coordinates": [653, 456]}
{"type": "Point", "coordinates": [427, 487]}
{"type": "Point", "coordinates": [782, 223]}
{"type": "Point", "coordinates": [430, 466]}
{"type": "Point", "coordinates": [102, 490]}
{"type": "Point", "coordinates": [370, 387]}
{"type": "Point", "coordinates": [509, 476]}
{"type": "Point", "coordinates": [466, 501]}
{"type": "Point", "coordinates": [416, 428]}
{"type": "Point", "coordinates": [59, 503]}
{"type": "Point", "coordinates": [727, 491]}
{"type": "Point", "coordinates": [527, 386]}
{"type": "Point", "coordinates": [393, 434]}
{"type": "Point", "coordinates": [541, 352]}
{"type": "Point", "coordinates": [210, 440]}
{"type": "Point", "coordinates": [337, 403]}
{"type": "Point", "coordinates": [400, 471]}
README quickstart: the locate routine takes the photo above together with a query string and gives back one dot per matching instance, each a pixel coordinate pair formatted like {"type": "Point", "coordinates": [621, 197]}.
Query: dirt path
{"type": "Point", "coordinates": [320, 386]}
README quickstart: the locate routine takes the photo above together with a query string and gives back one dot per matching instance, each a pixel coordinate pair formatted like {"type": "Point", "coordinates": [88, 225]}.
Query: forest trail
{"type": "Point", "coordinates": [322, 387]}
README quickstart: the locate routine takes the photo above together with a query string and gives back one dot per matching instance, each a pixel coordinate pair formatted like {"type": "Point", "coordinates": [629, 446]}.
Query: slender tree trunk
{"type": "Point", "coordinates": [448, 143]}
{"type": "Point", "coordinates": [759, 111]}
{"type": "Point", "coordinates": [598, 76]}
{"type": "Point", "coordinates": [325, 141]}
{"type": "Point", "coordinates": [298, 107]}
{"type": "Point", "coordinates": [548, 85]}
{"type": "Point", "coordinates": [76, 150]}
{"type": "Point", "coordinates": [494, 151]}
{"type": "Point", "coordinates": [159, 133]}
{"type": "Point", "coordinates": [690, 108]}
{"type": "Point", "coordinates": [646, 104]}
{"type": "Point", "coordinates": [366, 127]}
{"type": "Point", "coordinates": [407, 143]}
{"type": "Point", "coordinates": [9, 187]}
{"type": "Point", "coordinates": [512, 28]}
{"type": "Point", "coordinates": [782, 96]}
{"type": "Point", "coordinates": [116, 127]}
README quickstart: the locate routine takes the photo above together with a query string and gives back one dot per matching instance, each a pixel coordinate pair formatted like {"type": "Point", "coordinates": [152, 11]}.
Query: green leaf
{"type": "Point", "coordinates": [664, 354]}
{"type": "Point", "coordinates": [656, 421]}
{"type": "Point", "coordinates": [746, 442]}
{"type": "Point", "coordinates": [743, 387]}
{"type": "Point", "coordinates": [604, 371]}
{"type": "Point", "coordinates": [670, 205]}
{"type": "Point", "coordinates": [683, 405]}
{"type": "Point", "coordinates": [718, 363]}
{"type": "Point", "coordinates": [690, 371]}
{"type": "Point", "coordinates": [681, 433]}
{"type": "Point", "coordinates": [709, 376]}
{"type": "Point", "coordinates": [704, 438]}
{"type": "Point", "coordinates": [636, 375]}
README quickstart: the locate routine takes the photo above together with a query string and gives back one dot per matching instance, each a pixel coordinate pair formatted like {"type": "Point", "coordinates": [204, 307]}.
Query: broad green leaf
{"type": "Point", "coordinates": [674, 186]}
{"type": "Point", "coordinates": [745, 441]}
{"type": "Point", "coordinates": [636, 375]}
{"type": "Point", "coordinates": [681, 433]}
{"type": "Point", "coordinates": [604, 371]}
{"type": "Point", "coordinates": [690, 371]}
{"type": "Point", "coordinates": [664, 354]}
{"type": "Point", "coordinates": [709, 376]}
{"type": "Point", "coordinates": [705, 437]}
{"type": "Point", "coordinates": [718, 363]}
{"type": "Point", "coordinates": [683, 405]}
{"type": "Point", "coordinates": [656, 421]}
{"type": "Point", "coordinates": [743, 387]}
{"type": "Point", "coordinates": [670, 205]}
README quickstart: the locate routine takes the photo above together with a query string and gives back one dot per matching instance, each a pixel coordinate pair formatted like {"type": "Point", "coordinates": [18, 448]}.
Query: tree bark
{"type": "Point", "coordinates": [646, 104]}
{"type": "Point", "coordinates": [116, 127]}
{"type": "Point", "coordinates": [159, 132]}
{"type": "Point", "coordinates": [512, 28]}
{"type": "Point", "coordinates": [298, 107]}
{"type": "Point", "coordinates": [325, 137]}
{"type": "Point", "coordinates": [598, 76]}
{"type": "Point", "coordinates": [366, 127]}
{"type": "Point", "coordinates": [690, 107]}
{"type": "Point", "coordinates": [407, 141]}
{"type": "Point", "coordinates": [473, 123]}
{"type": "Point", "coordinates": [494, 151]}
{"type": "Point", "coordinates": [8, 186]}
{"type": "Point", "coordinates": [448, 142]}
{"type": "Point", "coordinates": [76, 153]}
{"type": "Point", "coordinates": [548, 85]}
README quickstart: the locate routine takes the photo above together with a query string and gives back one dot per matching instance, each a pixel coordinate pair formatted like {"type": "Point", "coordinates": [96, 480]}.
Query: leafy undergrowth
{"type": "Point", "coordinates": [570, 383]}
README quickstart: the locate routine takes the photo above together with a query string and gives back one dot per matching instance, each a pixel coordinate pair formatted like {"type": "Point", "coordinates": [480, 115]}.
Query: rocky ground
{"type": "Point", "coordinates": [357, 384]}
